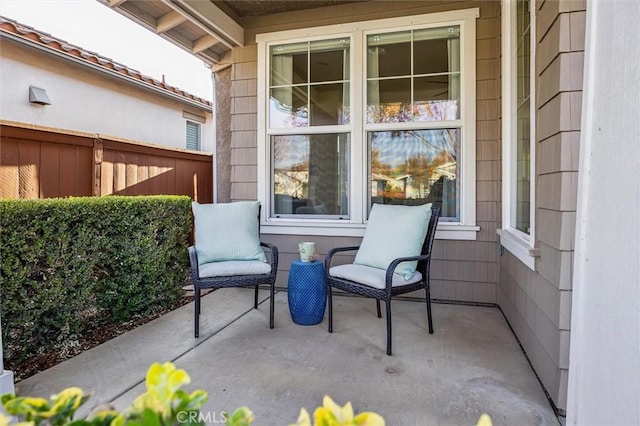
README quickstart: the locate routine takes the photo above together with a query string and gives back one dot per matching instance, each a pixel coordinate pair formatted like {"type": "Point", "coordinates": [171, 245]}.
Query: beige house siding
{"type": "Point", "coordinates": [538, 304]}
{"type": "Point", "coordinates": [461, 270]}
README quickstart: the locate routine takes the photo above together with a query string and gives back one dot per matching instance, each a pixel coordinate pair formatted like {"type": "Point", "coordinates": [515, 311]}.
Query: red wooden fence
{"type": "Point", "coordinates": [44, 163]}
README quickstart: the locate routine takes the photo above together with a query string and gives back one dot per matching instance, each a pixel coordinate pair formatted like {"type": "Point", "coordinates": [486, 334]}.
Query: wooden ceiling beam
{"type": "Point", "coordinates": [168, 21]}
{"type": "Point", "coordinates": [203, 43]}
{"type": "Point", "coordinates": [116, 3]}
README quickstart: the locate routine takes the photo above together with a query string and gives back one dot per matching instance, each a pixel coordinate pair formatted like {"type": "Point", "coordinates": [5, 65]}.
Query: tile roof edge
{"type": "Point", "coordinates": [33, 36]}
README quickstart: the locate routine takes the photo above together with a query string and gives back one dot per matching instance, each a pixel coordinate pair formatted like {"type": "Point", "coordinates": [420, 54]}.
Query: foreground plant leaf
{"type": "Point", "coordinates": [332, 414]}
{"type": "Point", "coordinates": [243, 416]}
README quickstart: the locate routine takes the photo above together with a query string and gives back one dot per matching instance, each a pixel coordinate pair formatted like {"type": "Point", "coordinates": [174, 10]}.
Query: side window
{"type": "Point", "coordinates": [518, 144]}
{"type": "Point", "coordinates": [193, 136]}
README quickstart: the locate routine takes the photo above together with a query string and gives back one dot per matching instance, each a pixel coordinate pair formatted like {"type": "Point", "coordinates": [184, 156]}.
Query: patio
{"type": "Point", "coordinates": [470, 365]}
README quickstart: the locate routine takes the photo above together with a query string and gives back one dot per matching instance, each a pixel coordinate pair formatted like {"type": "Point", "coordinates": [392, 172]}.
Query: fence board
{"type": "Point", "coordinates": [29, 157]}
{"type": "Point", "coordinates": [49, 167]}
{"type": "Point", "coordinates": [9, 179]}
{"type": "Point", "coordinates": [57, 164]}
{"type": "Point", "coordinates": [131, 160]}
{"type": "Point", "coordinates": [84, 179]}
{"type": "Point", "coordinates": [106, 173]}
{"type": "Point", "coordinates": [143, 174]}
{"type": "Point", "coordinates": [96, 177]}
{"type": "Point", "coordinates": [68, 167]}
{"type": "Point", "coordinates": [119, 173]}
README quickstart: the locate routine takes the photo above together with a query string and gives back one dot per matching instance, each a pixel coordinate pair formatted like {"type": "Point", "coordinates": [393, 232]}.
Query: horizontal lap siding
{"type": "Point", "coordinates": [461, 270]}
{"type": "Point", "coordinates": [538, 304]}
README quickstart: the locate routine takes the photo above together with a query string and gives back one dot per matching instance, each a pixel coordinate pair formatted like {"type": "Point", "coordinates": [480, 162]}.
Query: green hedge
{"type": "Point", "coordinates": [66, 261]}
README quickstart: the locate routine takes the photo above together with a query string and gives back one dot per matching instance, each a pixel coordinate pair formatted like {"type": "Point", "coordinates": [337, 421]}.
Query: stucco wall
{"type": "Point", "coordinates": [461, 270]}
{"type": "Point", "coordinates": [222, 171]}
{"type": "Point", "coordinates": [87, 101]}
{"type": "Point", "coordinates": [538, 303]}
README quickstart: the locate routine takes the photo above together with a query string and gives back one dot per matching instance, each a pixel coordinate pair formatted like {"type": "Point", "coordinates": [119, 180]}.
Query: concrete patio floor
{"type": "Point", "coordinates": [470, 365]}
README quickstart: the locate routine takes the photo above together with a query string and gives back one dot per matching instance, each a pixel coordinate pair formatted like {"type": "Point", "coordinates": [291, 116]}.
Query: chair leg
{"type": "Point", "coordinates": [255, 299]}
{"type": "Point", "coordinates": [388, 326]}
{"type": "Point", "coordinates": [330, 302]}
{"type": "Point", "coordinates": [196, 296]}
{"type": "Point", "coordinates": [378, 306]}
{"type": "Point", "coordinates": [271, 304]}
{"type": "Point", "coordinates": [429, 319]}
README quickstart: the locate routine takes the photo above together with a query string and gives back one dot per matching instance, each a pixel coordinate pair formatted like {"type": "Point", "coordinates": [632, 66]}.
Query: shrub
{"type": "Point", "coordinates": [163, 404]}
{"type": "Point", "coordinates": [65, 261]}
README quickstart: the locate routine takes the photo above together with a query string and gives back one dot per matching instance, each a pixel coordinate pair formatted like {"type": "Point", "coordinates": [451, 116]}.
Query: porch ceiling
{"type": "Point", "coordinates": [207, 29]}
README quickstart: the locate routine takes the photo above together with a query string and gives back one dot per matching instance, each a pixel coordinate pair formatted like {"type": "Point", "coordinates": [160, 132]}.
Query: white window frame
{"type": "Point", "coordinates": [466, 228]}
{"type": "Point", "coordinates": [520, 244]}
{"type": "Point", "coordinates": [199, 127]}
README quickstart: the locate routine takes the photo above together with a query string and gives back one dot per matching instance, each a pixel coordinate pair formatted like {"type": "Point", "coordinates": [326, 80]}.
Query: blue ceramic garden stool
{"type": "Point", "coordinates": [307, 292]}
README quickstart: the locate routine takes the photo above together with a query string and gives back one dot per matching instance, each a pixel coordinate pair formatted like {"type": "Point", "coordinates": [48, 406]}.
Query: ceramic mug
{"type": "Point", "coordinates": [307, 251]}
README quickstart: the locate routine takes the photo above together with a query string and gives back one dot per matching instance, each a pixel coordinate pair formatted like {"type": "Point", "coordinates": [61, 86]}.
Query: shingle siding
{"type": "Point", "coordinates": [471, 266]}
{"type": "Point", "coordinates": [538, 304]}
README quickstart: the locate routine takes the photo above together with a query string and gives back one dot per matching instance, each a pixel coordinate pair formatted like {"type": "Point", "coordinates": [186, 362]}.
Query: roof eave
{"type": "Point", "coordinates": [102, 70]}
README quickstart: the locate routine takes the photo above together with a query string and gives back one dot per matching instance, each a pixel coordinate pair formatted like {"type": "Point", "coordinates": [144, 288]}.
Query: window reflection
{"type": "Point", "coordinates": [310, 174]}
{"type": "Point", "coordinates": [415, 167]}
{"type": "Point", "coordinates": [309, 84]}
{"type": "Point", "coordinates": [413, 75]}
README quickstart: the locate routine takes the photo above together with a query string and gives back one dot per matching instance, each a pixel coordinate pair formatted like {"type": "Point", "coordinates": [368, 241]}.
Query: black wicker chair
{"type": "Point", "coordinates": [246, 280]}
{"type": "Point", "coordinates": [424, 261]}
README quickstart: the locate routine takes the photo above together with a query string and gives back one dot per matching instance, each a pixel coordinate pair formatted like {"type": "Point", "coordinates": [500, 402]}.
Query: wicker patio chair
{"type": "Point", "coordinates": [386, 284]}
{"type": "Point", "coordinates": [234, 273]}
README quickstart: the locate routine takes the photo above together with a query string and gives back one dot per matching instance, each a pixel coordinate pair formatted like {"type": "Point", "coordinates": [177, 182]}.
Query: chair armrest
{"type": "Point", "coordinates": [273, 255]}
{"type": "Point", "coordinates": [332, 252]}
{"type": "Point", "coordinates": [193, 260]}
{"type": "Point", "coordinates": [394, 264]}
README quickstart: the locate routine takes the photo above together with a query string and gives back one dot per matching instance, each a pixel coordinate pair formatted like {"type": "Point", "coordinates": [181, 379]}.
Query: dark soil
{"type": "Point", "coordinates": [100, 331]}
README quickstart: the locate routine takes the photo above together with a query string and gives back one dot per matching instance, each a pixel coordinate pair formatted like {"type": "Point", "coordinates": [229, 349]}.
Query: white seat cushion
{"type": "Point", "coordinates": [373, 277]}
{"type": "Point", "coordinates": [233, 267]}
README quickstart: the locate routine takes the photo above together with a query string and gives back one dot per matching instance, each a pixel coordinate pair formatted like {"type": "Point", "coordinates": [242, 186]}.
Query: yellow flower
{"type": "Point", "coordinates": [73, 396]}
{"type": "Point", "coordinates": [303, 419]}
{"type": "Point", "coordinates": [331, 414]}
{"type": "Point", "coordinates": [484, 420]}
{"type": "Point", "coordinates": [6, 421]}
{"type": "Point", "coordinates": [163, 380]}
{"type": "Point", "coordinates": [28, 407]}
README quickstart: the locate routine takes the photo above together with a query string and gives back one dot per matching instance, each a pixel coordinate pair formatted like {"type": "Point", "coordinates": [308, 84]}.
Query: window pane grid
{"type": "Point", "coordinates": [420, 84]}
{"type": "Point", "coordinates": [416, 88]}
{"type": "Point", "coordinates": [309, 84]}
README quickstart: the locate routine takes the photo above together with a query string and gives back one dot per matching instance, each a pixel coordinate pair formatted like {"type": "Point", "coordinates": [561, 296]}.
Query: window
{"type": "Point", "coordinates": [413, 85]}
{"type": "Point", "coordinates": [518, 130]}
{"type": "Point", "coordinates": [193, 136]}
{"type": "Point", "coordinates": [309, 128]}
{"type": "Point", "coordinates": [372, 112]}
